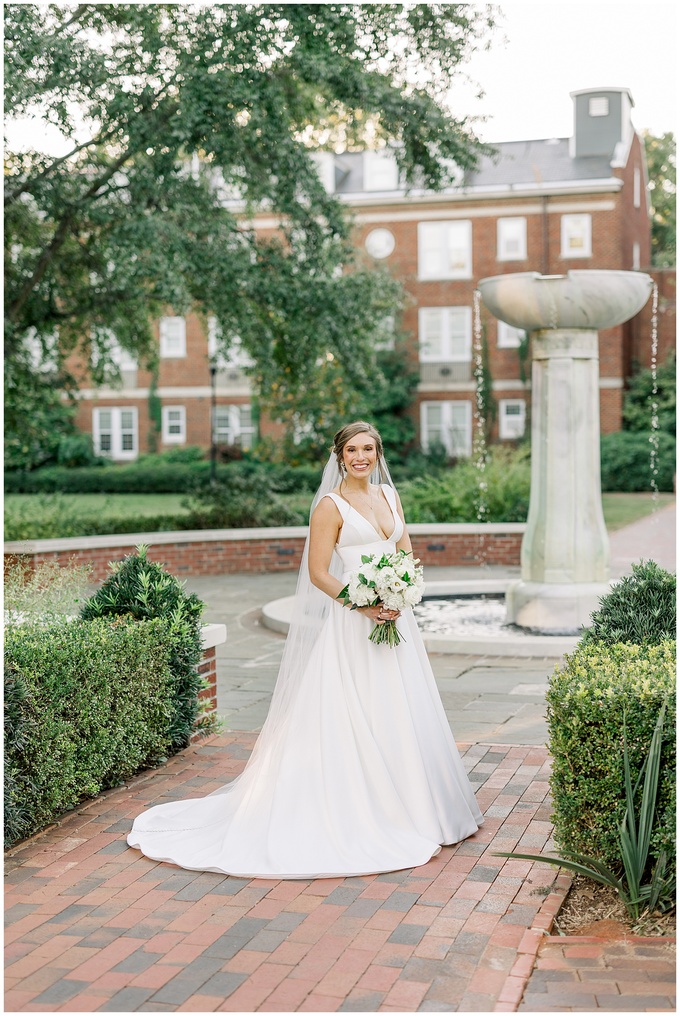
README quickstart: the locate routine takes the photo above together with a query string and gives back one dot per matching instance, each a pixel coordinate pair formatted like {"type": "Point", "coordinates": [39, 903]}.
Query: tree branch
{"type": "Point", "coordinates": [29, 185]}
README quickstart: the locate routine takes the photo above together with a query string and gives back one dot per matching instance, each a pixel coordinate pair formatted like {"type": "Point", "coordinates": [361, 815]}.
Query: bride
{"type": "Point", "coordinates": [356, 770]}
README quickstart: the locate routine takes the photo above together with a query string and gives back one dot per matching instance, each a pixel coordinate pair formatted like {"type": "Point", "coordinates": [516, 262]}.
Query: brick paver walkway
{"type": "Point", "coordinates": [575, 974]}
{"type": "Point", "coordinates": [94, 926]}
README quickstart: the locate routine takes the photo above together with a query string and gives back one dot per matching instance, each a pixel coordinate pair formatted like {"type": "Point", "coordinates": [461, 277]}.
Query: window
{"type": "Point", "coordinates": [445, 250]}
{"type": "Point", "coordinates": [445, 334]}
{"type": "Point", "coordinates": [512, 418]}
{"type": "Point", "coordinates": [234, 426]}
{"type": "Point", "coordinates": [636, 257]}
{"type": "Point", "coordinates": [576, 236]}
{"type": "Point", "coordinates": [114, 432]}
{"type": "Point", "coordinates": [106, 345]}
{"type": "Point", "coordinates": [598, 106]}
{"type": "Point", "coordinates": [325, 167]}
{"type": "Point", "coordinates": [381, 172]}
{"type": "Point", "coordinates": [636, 187]}
{"type": "Point", "coordinates": [448, 424]}
{"type": "Point", "coordinates": [508, 336]}
{"type": "Point", "coordinates": [43, 350]}
{"type": "Point", "coordinates": [235, 359]}
{"type": "Point", "coordinates": [512, 239]}
{"type": "Point", "coordinates": [385, 334]}
{"type": "Point", "coordinates": [173, 334]}
{"type": "Point", "coordinates": [174, 424]}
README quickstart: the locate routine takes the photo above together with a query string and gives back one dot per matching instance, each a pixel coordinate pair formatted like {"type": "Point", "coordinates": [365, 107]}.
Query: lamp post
{"type": "Point", "coordinates": [213, 414]}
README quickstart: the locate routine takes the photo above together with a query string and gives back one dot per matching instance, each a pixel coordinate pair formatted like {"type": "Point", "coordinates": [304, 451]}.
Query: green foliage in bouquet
{"type": "Point", "coordinates": [142, 589]}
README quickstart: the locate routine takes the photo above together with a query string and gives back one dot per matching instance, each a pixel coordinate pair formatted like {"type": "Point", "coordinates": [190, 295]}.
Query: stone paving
{"type": "Point", "coordinates": [95, 926]}
{"type": "Point", "coordinates": [587, 974]}
{"type": "Point", "coordinates": [486, 698]}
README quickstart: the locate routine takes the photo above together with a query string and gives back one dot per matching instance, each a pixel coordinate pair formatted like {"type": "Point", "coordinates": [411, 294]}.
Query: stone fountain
{"type": "Point", "coordinates": [565, 550]}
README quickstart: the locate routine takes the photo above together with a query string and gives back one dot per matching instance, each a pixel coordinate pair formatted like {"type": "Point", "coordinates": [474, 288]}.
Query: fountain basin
{"type": "Point", "coordinates": [276, 616]}
{"type": "Point", "coordinates": [586, 299]}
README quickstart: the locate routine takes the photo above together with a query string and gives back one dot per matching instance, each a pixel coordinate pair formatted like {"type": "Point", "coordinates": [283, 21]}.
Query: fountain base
{"type": "Point", "coordinates": [553, 608]}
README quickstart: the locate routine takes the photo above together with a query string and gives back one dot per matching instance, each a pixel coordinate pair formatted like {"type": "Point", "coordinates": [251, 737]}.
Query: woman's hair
{"type": "Point", "coordinates": [351, 430]}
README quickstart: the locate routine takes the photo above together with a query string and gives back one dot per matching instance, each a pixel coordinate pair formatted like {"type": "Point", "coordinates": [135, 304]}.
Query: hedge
{"type": "Point", "coordinates": [142, 589]}
{"type": "Point", "coordinates": [87, 704]}
{"type": "Point", "coordinates": [151, 475]}
{"type": "Point", "coordinates": [625, 458]}
{"type": "Point", "coordinates": [588, 698]}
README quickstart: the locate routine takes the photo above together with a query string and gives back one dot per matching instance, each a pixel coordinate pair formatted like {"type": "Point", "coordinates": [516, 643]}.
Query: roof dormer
{"type": "Point", "coordinates": [602, 123]}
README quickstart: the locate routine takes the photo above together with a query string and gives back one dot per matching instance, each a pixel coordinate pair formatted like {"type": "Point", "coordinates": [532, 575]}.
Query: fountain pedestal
{"type": "Point", "coordinates": [565, 551]}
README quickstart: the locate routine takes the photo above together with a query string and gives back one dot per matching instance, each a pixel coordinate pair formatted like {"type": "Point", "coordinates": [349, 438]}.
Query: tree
{"type": "Point", "coordinates": [661, 170]}
{"type": "Point", "coordinates": [183, 117]}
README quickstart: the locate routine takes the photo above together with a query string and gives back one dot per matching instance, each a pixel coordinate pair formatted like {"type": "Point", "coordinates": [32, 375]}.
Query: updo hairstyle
{"type": "Point", "coordinates": [351, 430]}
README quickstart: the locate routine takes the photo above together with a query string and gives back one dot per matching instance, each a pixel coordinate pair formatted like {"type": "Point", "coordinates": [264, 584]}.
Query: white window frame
{"type": "Point", "coordinates": [385, 334]}
{"type": "Point", "coordinates": [235, 359]}
{"type": "Point", "coordinates": [636, 256]}
{"type": "Point", "coordinates": [637, 187]}
{"type": "Point", "coordinates": [445, 436]}
{"type": "Point", "coordinates": [445, 249]}
{"type": "Point", "coordinates": [120, 358]}
{"type": "Point", "coordinates": [506, 430]}
{"type": "Point", "coordinates": [235, 431]}
{"type": "Point", "coordinates": [452, 323]}
{"type": "Point", "coordinates": [576, 225]}
{"type": "Point", "coordinates": [381, 172]}
{"type": "Point", "coordinates": [509, 231]}
{"type": "Point", "coordinates": [116, 451]}
{"type": "Point", "coordinates": [43, 351]}
{"type": "Point", "coordinates": [169, 436]}
{"type": "Point", "coordinates": [173, 346]}
{"type": "Point", "coordinates": [509, 337]}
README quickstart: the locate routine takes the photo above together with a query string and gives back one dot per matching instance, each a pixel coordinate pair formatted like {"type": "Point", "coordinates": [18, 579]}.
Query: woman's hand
{"type": "Point", "coordinates": [379, 614]}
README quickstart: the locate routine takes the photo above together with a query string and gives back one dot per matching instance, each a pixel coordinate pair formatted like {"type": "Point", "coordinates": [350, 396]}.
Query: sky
{"type": "Point", "coordinates": [540, 53]}
{"type": "Point", "coordinates": [555, 48]}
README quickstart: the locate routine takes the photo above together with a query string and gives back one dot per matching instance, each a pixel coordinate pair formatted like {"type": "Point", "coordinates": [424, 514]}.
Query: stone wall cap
{"type": "Point", "coordinates": [75, 543]}
{"type": "Point", "coordinates": [213, 635]}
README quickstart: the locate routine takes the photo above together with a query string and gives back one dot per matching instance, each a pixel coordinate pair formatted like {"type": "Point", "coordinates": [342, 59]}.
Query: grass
{"type": "Point", "coordinates": [622, 509]}
{"type": "Point", "coordinates": [619, 509]}
{"type": "Point", "coordinates": [111, 504]}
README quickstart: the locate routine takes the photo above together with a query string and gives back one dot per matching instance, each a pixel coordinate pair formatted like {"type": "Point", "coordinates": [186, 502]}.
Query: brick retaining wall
{"type": "Point", "coordinates": [230, 551]}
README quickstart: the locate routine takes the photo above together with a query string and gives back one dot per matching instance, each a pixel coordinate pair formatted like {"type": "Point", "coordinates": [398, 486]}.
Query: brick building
{"type": "Point", "coordinates": [546, 206]}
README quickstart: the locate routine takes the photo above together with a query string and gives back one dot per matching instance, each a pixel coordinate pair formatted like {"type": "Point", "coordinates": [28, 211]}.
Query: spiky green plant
{"type": "Point", "coordinates": [637, 892]}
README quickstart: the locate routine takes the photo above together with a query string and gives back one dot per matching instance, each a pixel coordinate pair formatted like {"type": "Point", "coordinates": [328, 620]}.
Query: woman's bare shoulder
{"type": "Point", "coordinates": [326, 508]}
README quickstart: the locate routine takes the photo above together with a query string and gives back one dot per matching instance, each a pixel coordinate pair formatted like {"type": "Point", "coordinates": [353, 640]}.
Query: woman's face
{"type": "Point", "coordinates": [360, 455]}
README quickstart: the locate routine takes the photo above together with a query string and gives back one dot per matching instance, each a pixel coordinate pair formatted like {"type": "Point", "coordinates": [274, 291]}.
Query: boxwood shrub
{"type": "Point", "coordinates": [640, 608]}
{"type": "Point", "coordinates": [141, 589]}
{"type": "Point", "coordinates": [87, 704]}
{"type": "Point", "coordinates": [588, 698]}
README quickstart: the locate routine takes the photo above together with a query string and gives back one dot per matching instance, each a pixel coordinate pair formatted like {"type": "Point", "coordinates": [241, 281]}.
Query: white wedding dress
{"type": "Point", "coordinates": [366, 777]}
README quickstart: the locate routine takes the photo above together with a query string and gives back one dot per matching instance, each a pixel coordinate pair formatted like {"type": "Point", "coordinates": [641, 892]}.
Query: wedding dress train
{"type": "Point", "coordinates": [366, 776]}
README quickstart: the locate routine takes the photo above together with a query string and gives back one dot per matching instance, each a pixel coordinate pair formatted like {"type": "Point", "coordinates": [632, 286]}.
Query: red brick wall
{"type": "Point", "coordinates": [208, 670]}
{"type": "Point", "coordinates": [261, 555]}
{"type": "Point", "coordinates": [666, 321]}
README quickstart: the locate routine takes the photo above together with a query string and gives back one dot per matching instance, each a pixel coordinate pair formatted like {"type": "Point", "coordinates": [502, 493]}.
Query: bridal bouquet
{"type": "Point", "coordinates": [395, 580]}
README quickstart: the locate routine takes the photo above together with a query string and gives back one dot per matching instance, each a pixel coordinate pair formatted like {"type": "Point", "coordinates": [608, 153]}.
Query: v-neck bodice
{"type": "Point", "coordinates": [358, 536]}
